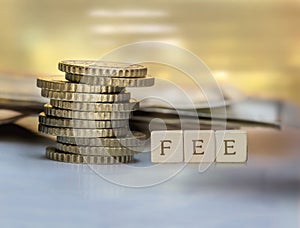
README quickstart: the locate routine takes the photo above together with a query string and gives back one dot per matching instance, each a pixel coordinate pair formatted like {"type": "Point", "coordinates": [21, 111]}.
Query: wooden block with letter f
{"type": "Point", "coordinates": [166, 146]}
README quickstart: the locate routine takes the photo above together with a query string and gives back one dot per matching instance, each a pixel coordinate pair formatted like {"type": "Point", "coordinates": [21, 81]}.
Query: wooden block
{"type": "Point", "coordinates": [167, 146]}
{"type": "Point", "coordinates": [231, 146]}
{"type": "Point", "coordinates": [199, 146]}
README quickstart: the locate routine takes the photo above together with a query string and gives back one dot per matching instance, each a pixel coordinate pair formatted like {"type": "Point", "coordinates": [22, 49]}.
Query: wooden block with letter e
{"type": "Point", "coordinates": [199, 146]}
{"type": "Point", "coordinates": [166, 146]}
{"type": "Point", "coordinates": [231, 146]}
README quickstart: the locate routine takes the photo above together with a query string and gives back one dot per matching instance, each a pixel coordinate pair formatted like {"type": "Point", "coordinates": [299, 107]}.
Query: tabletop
{"type": "Point", "coordinates": [37, 192]}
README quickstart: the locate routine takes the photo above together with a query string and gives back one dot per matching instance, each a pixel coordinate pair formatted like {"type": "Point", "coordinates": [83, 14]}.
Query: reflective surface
{"type": "Point", "coordinates": [39, 192]}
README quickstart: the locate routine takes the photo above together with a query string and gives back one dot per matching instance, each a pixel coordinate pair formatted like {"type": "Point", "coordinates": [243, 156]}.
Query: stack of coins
{"type": "Point", "coordinates": [89, 111]}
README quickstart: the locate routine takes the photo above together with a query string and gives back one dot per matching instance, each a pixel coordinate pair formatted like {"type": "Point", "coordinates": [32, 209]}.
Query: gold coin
{"type": "Point", "coordinates": [59, 83]}
{"type": "Point", "coordinates": [70, 114]}
{"type": "Point", "coordinates": [77, 123]}
{"type": "Point", "coordinates": [130, 140]}
{"type": "Point", "coordinates": [102, 68]}
{"type": "Point", "coordinates": [103, 151]}
{"type": "Point", "coordinates": [120, 82]}
{"type": "Point", "coordinates": [129, 106]}
{"type": "Point", "coordinates": [57, 155]}
{"type": "Point", "coordinates": [86, 97]}
{"type": "Point", "coordinates": [87, 133]}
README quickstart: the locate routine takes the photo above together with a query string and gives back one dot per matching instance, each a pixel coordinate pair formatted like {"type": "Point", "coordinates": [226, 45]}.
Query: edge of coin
{"type": "Point", "coordinates": [54, 154]}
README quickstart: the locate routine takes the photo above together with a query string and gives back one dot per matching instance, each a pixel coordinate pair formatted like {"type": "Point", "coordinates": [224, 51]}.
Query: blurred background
{"type": "Point", "coordinates": [254, 45]}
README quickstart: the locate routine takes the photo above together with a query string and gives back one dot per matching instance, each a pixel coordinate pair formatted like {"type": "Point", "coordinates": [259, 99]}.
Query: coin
{"type": "Point", "coordinates": [86, 97]}
{"type": "Point", "coordinates": [102, 68]}
{"type": "Point", "coordinates": [70, 114]}
{"type": "Point", "coordinates": [57, 155]}
{"type": "Point", "coordinates": [135, 139]}
{"type": "Point", "coordinates": [103, 151]}
{"type": "Point", "coordinates": [129, 106]}
{"type": "Point", "coordinates": [89, 111]}
{"type": "Point", "coordinates": [59, 83]}
{"type": "Point", "coordinates": [76, 132]}
{"type": "Point", "coordinates": [121, 82]}
{"type": "Point", "coordinates": [75, 123]}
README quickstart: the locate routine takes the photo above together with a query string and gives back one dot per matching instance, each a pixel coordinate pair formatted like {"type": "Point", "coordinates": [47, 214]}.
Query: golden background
{"type": "Point", "coordinates": [254, 45]}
